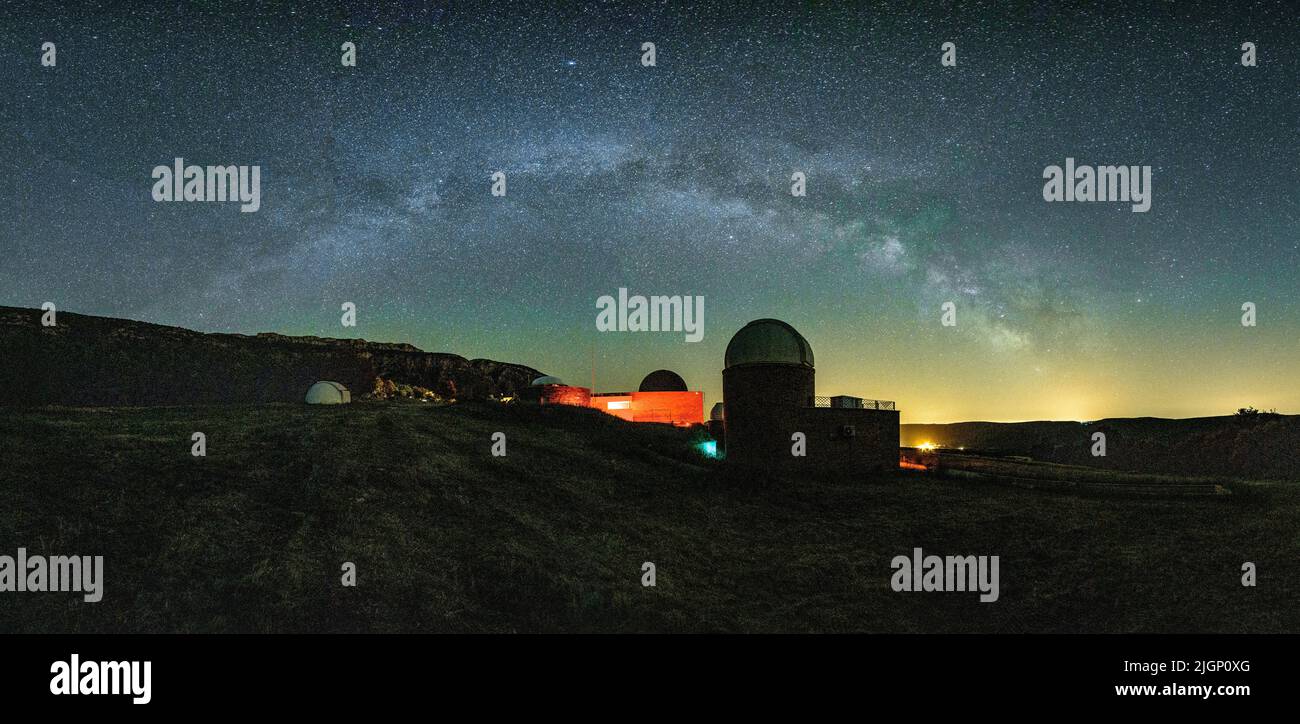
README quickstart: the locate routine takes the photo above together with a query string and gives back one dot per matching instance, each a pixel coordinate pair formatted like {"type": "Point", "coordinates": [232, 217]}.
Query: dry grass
{"type": "Point", "coordinates": [552, 537]}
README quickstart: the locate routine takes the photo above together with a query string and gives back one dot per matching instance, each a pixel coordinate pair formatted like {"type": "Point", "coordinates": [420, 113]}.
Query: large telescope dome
{"type": "Point", "coordinates": [663, 381]}
{"type": "Point", "coordinates": [768, 341]}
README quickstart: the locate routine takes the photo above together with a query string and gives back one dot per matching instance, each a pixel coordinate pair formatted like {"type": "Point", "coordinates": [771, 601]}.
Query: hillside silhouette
{"type": "Point", "coordinates": [92, 361]}
{"type": "Point", "coordinates": [1260, 445]}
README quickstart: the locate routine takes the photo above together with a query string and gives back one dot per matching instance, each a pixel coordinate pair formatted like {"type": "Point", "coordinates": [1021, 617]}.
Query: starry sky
{"type": "Point", "coordinates": [924, 186]}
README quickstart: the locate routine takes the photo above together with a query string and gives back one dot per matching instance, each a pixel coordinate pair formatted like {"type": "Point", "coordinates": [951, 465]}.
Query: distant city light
{"type": "Point", "coordinates": [927, 446]}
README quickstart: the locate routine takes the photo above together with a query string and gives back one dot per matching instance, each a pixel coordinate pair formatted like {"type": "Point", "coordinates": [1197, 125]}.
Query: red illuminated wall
{"type": "Point", "coordinates": [603, 402]}
{"type": "Point", "coordinates": [677, 408]}
{"type": "Point", "coordinates": [564, 395]}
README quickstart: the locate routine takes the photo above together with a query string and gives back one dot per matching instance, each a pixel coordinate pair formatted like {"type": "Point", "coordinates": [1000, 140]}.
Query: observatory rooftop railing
{"type": "Point", "coordinates": [845, 402]}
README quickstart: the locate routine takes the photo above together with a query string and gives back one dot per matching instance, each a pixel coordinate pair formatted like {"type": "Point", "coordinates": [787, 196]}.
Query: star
{"type": "Point", "coordinates": [923, 188]}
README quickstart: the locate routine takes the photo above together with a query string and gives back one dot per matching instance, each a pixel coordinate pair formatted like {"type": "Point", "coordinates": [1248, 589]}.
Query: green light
{"type": "Point", "coordinates": [708, 448]}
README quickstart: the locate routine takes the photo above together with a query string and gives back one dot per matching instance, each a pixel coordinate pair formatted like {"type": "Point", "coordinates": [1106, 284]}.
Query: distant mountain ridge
{"type": "Point", "coordinates": [101, 361]}
{"type": "Point", "coordinates": [1262, 445]}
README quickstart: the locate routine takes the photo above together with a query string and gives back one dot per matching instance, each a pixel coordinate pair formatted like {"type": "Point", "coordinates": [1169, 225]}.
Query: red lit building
{"type": "Point", "coordinates": [662, 398]}
{"type": "Point", "coordinates": [672, 407]}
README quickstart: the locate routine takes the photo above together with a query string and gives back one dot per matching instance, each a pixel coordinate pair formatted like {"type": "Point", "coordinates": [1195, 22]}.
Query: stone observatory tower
{"type": "Point", "coordinates": [769, 398]}
{"type": "Point", "coordinates": [767, 380]}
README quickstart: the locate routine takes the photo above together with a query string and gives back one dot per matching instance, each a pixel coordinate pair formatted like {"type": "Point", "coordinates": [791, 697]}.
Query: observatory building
{"type": "Point", "coordinates": [662, 397]}
{"type": "Point", "coordinates": [769, 395]}
{"type": "Point", "coordinates": [717, 427]}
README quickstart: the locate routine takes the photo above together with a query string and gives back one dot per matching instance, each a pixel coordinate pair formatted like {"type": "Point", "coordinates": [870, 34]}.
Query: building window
{"type": "Point", "coordinates": [619, 405]}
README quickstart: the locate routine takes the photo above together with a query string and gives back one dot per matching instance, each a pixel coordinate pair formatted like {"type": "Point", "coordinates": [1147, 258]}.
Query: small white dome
{"type": "Point", "coordinates": [328, 393]}
{"type": "Point", "coordinates": [547, 380]}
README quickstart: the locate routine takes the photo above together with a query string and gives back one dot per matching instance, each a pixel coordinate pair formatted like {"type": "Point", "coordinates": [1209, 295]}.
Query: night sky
{"type": "Point", "coordinates": [924, 186]}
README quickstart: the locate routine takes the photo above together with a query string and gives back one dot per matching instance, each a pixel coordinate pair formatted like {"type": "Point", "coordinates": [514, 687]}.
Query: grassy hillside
{"type": "Point", "coordinates": [552, 537]}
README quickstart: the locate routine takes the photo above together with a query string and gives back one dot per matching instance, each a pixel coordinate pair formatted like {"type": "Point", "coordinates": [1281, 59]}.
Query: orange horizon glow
{"type": "Point", "coordinates": [1142, 370]}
